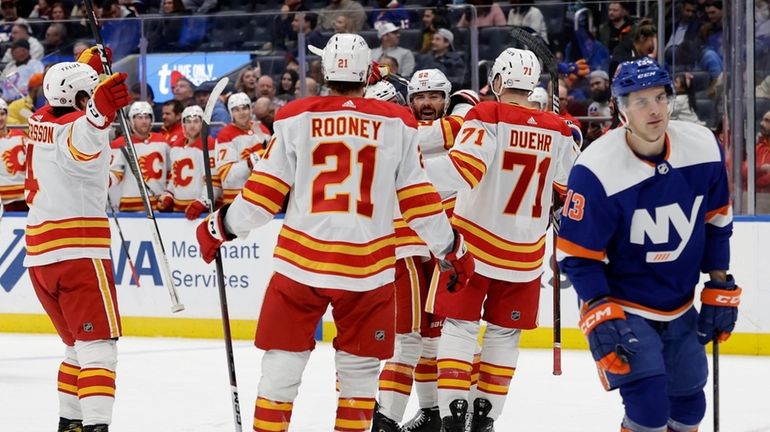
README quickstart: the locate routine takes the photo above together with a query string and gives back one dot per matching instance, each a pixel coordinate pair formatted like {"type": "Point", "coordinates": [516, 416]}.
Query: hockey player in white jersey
{"type": "Point", "coordinates": [384, 91]}
{"type": "Point", "coordinates": [187, 183]}
{"type": "Point", "coordinates": [239, 146]}
{"type": "Point", "coordinates": [345, 162]}
{"type": "Point", "coordinates": [68, 235]}
{"type": "Point", "coordinates": [505, 164]}
{"type": "Point", "coordinates": [12, 162]}
{"type": "Point", "coordinates": [153, 153]}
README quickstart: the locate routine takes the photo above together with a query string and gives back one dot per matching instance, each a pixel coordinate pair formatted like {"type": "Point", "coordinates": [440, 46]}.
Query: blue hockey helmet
{"type": "Point", "coordinates": [640, 74]}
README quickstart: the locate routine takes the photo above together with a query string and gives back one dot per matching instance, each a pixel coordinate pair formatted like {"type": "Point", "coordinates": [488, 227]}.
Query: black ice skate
{"type": "Point", "coordinates": [67, 425]}
{"type": "Point", "coordinates": [381, 423]}
{"type": "Point", "coordinates": [481, 422]}
{"type": "Point", "coordinates": [458, 420]}
{"type": "Point", "coordinates": [96, 428]}
{"type": "Point", "coordinates": [426, 420]}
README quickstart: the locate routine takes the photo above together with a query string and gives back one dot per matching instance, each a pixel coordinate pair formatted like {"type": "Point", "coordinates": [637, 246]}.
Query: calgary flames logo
{"type": "Point", "coordinates": [150, 169]}
{"type": "Point", "coordinates": [13, 159]}
{"type": "Point", "coordinates": [178, 176]}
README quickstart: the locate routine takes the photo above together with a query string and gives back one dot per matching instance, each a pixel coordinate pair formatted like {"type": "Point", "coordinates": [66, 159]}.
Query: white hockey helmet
{"type": "Point", "coordinates": [426, 80]}
{"type": "Point", "coordinates": [236, 100]}
{"type": "Point", "coordinates": [381, 90]}
{"type": "Point", "coordinates": [192, 111]}
{"type": "Point", "coordinates": [64, 80]}
{"type": "Point", "coordinates": [461, 101]}
{"type": "Point", "coordinates": [539, 96]}
{"type": "Point", "coordinates": [3, 105]}
{"type": "Point", "coordinates": [140, 107]}
{"type": "Point", "coordinates": [517, 68]}
{"type": "Point", "coordinates": [346, 57]}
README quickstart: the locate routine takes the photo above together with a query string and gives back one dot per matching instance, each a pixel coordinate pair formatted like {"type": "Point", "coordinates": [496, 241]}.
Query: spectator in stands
{"type": "Point", "coordinates": [308, 27]}
{"type": "Point", "coordinates": [391, 11]}
{"type": "Point", "coordinates": [315, 71]}
{"type": "Point", "coordinates": [78, 47]}
{"type": "Point", "coordinates": [618, 26]}
{"type": "Point", "coordinates": [352, 9]}
{"type": "Point", "coordinates": [19, 70]}
{"type": "Point", "coordinates": [643, 43]}
{"type": "Point", "coordinates": [564, 101]}
{"type": "Point", "coordinates": [10, 15]}
{"type": "Point", "coordinates": [264, 111]}
{"type": "Point", "coordinates": [247, 83]}
{"type": "Point", "coordinates": [687, 26]}
{"type": "Point", "coordinates": [343, 24]}
{"type": "Point", "coordinates": [432, 20]}
{"type": "Point", "coordinates": [149, 97]}
{"type": "Point", "coordinates": [20, 109]}
{"type": "Point", "coordinates": [527, 15]}
{"type": "Point", "coordinates": [311, 86]}
{"type": "Point", "coordinates": [762, 166]}
{"type": "Point", "coordinates": [55, 37]}
{"type": "Point", "coordinates": [599, 82]}
{"type": "Point", "coordinates": [171, 115]}
{"type": "Point", "coordinates": [684, 101]}
{"type": "Point", "coordinates": [390, 36]}
{"type": "Point", "coordinates": [165, 33]}
{"type": "Point", "coordinates": [390, 62]}
{"type": "Point", "coordinates": [266, 88]}
{"type": "Point", "coordinates": [444, 58]}
{"type": "Point", "coordinates": [42, 10]}
{"type": "Point", "coordinates": [283, 26]}
{"type": "Point", "coordinates": [711, 32]}
{"type": "Point", "coordinates": [489, 14]}
{"type": "Point", "coordinates": [200, 7]}
{"type": "Point", "coordinates": [220, 113]}
{"type": "Point", "coordinates": [21, 31]}
{"type": "Point", "coordinates": [288, 87]}
{"type": "Point", "coordinates": [692, 56]}
{"type": "Point", "coordinates": [183, 91]}
{"type": "Point", "coordinates": [122, 35]}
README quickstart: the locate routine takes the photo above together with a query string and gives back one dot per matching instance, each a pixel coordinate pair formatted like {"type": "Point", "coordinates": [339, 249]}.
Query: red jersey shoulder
{"type": "Point", "coordinates": [322, 104]}
{"type": "Point", "coordinates": [264, 128]}
{"type": "Point", "coordinates": [555, 122]}
{"type": "Point", "coordinates": [156, 137]}
{"type": "Point", "coordinates": [45, 114]}
{"type": "Point", "coordinates": [485, 112]}
{"type": "Point", "coordinates": [16, 132]}
{"type": "Point", "coordinates": [229, 132]}
{"type": "Point", "coordinates": [118, 142]}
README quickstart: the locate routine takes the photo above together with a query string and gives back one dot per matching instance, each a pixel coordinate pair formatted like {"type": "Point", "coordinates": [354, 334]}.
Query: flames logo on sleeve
{"type": "Point", "coordinates": [151, 165]}
{"type": "Point", "coordinates": [180, 178]}
{"type": "Point", "coordinates": [14, 159]}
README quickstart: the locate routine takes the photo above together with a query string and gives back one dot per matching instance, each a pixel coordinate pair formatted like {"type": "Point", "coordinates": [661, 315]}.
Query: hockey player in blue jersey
{"type": "Point", "coordinates": [647, 209]}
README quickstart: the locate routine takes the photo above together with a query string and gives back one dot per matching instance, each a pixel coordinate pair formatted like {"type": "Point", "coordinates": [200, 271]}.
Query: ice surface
{"type": "Point", "coordinates": [175, 385]}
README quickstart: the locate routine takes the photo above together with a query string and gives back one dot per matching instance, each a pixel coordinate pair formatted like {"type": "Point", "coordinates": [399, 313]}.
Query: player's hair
{"type": "Point", "coordinates": [177, 106]}
{"type": "Point", "coordinates": [345, 87]}
{"type": "Point", "coordinates": [645, 29]}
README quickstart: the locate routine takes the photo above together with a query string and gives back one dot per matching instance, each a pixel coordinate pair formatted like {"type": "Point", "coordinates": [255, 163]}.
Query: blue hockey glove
{"type": "Point", "coordinates": [719, 310]}
{"type": "Point", "coordinates": [611, 340]}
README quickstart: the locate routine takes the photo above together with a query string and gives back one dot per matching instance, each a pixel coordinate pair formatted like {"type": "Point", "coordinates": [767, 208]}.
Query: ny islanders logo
{"type": "Point", "coordinates": [12, 261]}
{"type": "Point", "coordinates": [657, 228]}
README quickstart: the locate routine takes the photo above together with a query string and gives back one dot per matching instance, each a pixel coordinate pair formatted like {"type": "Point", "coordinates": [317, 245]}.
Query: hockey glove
{"type": "Point", "coordinates": [109, 96]}
{"type": "Point", "coordinates": [579, 68]}
{"type": "Point", "coordinates": [378, 73]}
{"type": "Point", "coordinates": [165, 202]}
{"type": "Point", "coordinates": [91, 57]}
{"type": "Point", "coordinates": [719, 310]}
{"type": "Point", "coordinates": [195, 209]}
{"type": "Point", "coordinates": [211, 233]}
{"type": "Point", "coordinates": [611, 340]}
{"type": "Point", "coordinates": [459, 263]}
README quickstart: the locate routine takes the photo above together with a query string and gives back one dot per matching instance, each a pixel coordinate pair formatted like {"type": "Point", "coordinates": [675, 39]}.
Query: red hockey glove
{"type": "Point", "coordinates": [195, 209]}
{"type": "Point", "coordinates": [165, 202]}
{"type": "Point", "coordinates": [378, 72]}
{"type": "Point", "coordinates": [211, 234]}
{"type": "Point", "coordinates": [611, 340]}
{"type": "Point", "coordinates": [719, 310]}
{"type": "Point", "coordinates": [460, 263]}
{"type": "Point", "coordinates": [91, 57]}
{"type": "Point", "coordinates": [109, 96]}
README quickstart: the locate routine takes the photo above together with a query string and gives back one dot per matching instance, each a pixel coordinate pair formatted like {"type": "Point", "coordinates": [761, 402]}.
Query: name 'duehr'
{"type": "Point", "coordinates": [345, 125]}
{"type": "Point", "coordinates": [530, 140]}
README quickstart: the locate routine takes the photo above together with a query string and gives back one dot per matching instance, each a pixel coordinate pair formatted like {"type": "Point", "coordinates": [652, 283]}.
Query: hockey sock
{"type": "Point", "coordinates": [646, 403]}
{"type": "Point", "coordinates": [687, 412]}
{"type": "Point", "coordinates": [67, 383]}
{"type": "Point", "coordinates": [358, 387]}
{"type": "Point", "coordinates": [96, 380]}
{"type": "Point", "coordinates": [475, 369]}
{"type": "Point", "coordinates": [455, 361]}
{"type": "Point", "coordinates": [396, 376]}
{"type": "Point", "coordinates": [278, 387]}
{"type": "Point", "coordinates": [426, 374]}
{"type": "Point", "coordinates": [499, 356]}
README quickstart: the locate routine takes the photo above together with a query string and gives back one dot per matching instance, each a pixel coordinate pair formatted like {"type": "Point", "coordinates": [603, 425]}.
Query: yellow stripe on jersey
{"type": "Point", "coordinates": [332, 247]}
{"type": "Point", "coordinates": [496, 241]}
{"type": "Point", "coordinates": [82, 223]}
{"type": "Point", "coordinates": [322, 267]}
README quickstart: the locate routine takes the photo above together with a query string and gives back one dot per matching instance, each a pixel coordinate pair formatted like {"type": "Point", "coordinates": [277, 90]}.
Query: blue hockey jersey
{"type": "Point", "coordinates": [640, 231]}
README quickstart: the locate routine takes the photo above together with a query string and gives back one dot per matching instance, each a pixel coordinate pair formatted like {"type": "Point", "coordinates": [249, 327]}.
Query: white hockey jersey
{"type": "Point", "coordinates": [13, 155]}
{"type": "Point", "coordinates": [234, 145]}
{"type": "Point", "coordinates": [504, 164]}
{"type": "Point", "coordinates": [187, 180]}
{"type": "Point", "coordinates": [153, 155]}
{"type": "Point", "coordinates": [342, 158]}
{"type": "Point", "coordinates": [66, 188]}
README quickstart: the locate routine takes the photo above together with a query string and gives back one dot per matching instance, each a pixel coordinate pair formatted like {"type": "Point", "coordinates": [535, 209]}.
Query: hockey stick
{"type": "Point", "coordinates": [715, 366]}
{"type": "Point", "coordinates": [134, 275]}
{"type": "Point", "coordinates": [218, 88]}
{"type": "Point", "coordinates": [133, 162]}
{"type": "Point", "coordinates": [549, 63]}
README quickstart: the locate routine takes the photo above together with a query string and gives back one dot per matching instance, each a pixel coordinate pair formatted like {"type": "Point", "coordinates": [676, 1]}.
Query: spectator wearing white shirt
{"type": "Point", "coordinates": [18, 71]}
{"type": "Point", "coordinates": [527, 16]}
{"type": "Point", "coordinates": [21, 31]}
{"type": "Point", "coordinates": [389, 38]}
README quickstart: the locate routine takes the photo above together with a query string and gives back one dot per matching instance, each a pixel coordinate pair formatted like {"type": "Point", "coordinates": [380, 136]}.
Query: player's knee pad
{"type": "Point", "coordinates": [646, 402]}
{"type": "Point", "coordinates": [460, 329]}
{"type": "Point", "coordinates": [282, 374]}
{"type": "Point", "coordinates": [407, 349]}
{"type": "Point", "coordinates": [358, 376]}
{"type": "Point", "coordinates": [687, 412]}
{"type": "Point", "coordinates": [430, 347]}
{"type": "Point", "coordinates": [102, 353]}
{"type": "Point", "coordinates": [501, 345]}
{"type": "Point", "coordinates": [70, 356]}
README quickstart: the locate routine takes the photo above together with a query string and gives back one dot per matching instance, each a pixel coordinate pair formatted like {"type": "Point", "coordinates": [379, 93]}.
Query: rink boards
{"type": "Point", "coordinates": [248, 266]}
